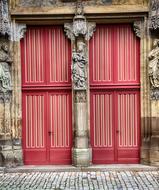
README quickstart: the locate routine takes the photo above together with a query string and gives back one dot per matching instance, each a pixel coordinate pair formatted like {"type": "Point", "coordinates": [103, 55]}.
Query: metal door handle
{"type": "Point", "coordinates": [117, 131]}
{"type": "Point", "coordinates": [50, 133]}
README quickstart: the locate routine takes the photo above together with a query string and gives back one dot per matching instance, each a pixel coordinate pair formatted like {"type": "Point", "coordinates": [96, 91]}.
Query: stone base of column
{"type": "Point", "coordinates": [154, 150]}
{"type": "Point", "coordinates": [82, 157]}
{"type": "Point", "coordinates": [10, 155]}
{"type": "Point", "coordinates": [154, 157]}
{"type": "Point", "coordinates": [145, 154]}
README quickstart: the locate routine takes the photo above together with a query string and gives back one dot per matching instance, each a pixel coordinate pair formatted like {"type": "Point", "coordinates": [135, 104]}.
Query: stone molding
{"type": "Point", "coordinates": [153, 70]}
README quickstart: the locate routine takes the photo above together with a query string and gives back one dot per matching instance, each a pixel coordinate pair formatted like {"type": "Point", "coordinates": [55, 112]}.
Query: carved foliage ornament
{"type": "Point", "coordinates": [80, 96]}
{"type": "Point", "coordinates": [154, 15]}
{"type": "Point", "coordinates": [5, 67]}
{"type": "Point", "coordinates": [17, 31]}
{"type": "Point", "coordinates": [154, 69]}
{"type": "Point", "coordinates": [4, 18]}
{"type": "Point", "coordinates": [79, 27]}
{"type": "Point", "coordinates": [138, 28]}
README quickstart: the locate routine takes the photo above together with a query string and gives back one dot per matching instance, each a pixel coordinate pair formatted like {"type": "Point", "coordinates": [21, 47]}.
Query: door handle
{"type": "Point", "coordinates": [50, 133]}
{"type": "Point", "coordinates": [117, 131]}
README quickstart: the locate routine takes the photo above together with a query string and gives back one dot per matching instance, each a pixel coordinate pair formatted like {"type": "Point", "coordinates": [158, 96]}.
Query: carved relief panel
{"type": "Point", "coordinates": [41, 3]}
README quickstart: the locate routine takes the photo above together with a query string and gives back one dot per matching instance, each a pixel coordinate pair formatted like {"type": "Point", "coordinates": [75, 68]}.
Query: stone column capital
{"type": "Point", "coordinates": [17, 31]}
{"type": "Point", "coordinates": [139, 28]}
{"type": "Point", "coordinates": [79, 27]}
{"type": "Point", "coordinates": [74, 30]}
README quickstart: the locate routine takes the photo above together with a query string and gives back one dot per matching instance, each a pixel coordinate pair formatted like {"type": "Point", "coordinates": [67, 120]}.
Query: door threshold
{"type": "Point", "coordinates": [70, 168]}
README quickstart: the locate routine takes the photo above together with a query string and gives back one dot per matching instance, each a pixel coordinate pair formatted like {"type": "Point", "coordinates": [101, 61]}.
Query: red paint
{"type": "Point", "coordinates": [114, 61]}
{"type": "Point", "coordinates": [46, 84]}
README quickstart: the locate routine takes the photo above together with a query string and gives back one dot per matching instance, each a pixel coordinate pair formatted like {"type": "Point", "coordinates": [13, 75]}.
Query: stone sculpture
{"type": "Point", "coordinates": [4, 18]}
{"type": "Point", "coordinates": [154, 69]}
{"type": "Point", "coordinates": [79, 66]}
{"type": "Point", "coordinates": [5, 61]}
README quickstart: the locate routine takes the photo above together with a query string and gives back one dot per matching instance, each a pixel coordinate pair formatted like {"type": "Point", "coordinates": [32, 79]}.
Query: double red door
{"type": "Point", "coordinates": [114, 82]}
{"type": "Point", "coordinates": [46, 100]}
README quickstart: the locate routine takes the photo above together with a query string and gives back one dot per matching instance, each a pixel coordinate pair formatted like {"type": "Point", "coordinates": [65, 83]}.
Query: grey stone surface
{"type": "Point", "coordinates": [116, 180]}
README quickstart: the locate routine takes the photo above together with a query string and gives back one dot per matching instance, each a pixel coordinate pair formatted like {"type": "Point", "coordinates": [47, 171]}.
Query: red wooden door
{"type": "Point", "coordinates": [46, 104]}
{"type": "Point", "coordinates": [114, 83]}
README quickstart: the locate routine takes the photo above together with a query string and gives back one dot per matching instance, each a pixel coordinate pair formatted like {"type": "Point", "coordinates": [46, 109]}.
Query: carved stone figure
{"type": "Point", "coordinates": [154, 65]}
{"type": "Point", "coordinates": [79, 67]}
{"type": "Point", "coordinates": [5, 76]}
{"type": "Point", "coordinates": [4, 18]}
{"type": "Point", "coordinates": [154, 15]}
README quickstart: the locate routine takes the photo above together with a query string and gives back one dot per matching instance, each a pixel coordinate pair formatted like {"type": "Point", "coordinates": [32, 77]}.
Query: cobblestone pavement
{"type": "Point", "coordinates": [114, 180]}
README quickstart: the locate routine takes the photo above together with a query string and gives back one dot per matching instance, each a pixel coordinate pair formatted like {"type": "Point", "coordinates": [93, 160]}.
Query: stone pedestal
{"type": "Point", "coordinates": [154, 148]}
{"type": "Point", "coordinates": [82, 157]}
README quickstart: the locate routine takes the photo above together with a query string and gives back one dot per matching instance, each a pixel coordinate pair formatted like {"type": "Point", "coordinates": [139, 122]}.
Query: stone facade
{"type": "Point", "coordinates": [48, 12]}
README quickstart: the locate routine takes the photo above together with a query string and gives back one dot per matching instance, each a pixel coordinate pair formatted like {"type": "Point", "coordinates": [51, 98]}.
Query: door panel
{"type": "Point", "coordinates": [33, 57]}
{"type": "Point", "coordinates": [34, 131]}
{"type": "Point", "coordinates": [60, 136]}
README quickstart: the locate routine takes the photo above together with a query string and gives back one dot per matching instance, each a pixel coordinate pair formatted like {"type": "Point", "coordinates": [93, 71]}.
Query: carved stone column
{"type": "Point", "coordinates": [9, 33]}
{"type": "Point", "coordinates": [153, 70]}
{"type": "Point", "coordinates": [80, 31]}
{"type": "Point", "coordinates": [140, 28]}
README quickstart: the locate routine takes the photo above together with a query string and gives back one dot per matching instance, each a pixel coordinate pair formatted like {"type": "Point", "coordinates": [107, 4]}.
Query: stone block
{"type": "Point", "coordinates": [82, 157]}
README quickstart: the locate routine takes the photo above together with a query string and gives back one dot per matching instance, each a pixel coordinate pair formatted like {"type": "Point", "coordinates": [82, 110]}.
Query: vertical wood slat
{"type": "Point", "coordinates": [102, 120]}
{"type": "Point", "coordinates": [60, 120]}
{"type": "Point", "coordinates": [34, 117]}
